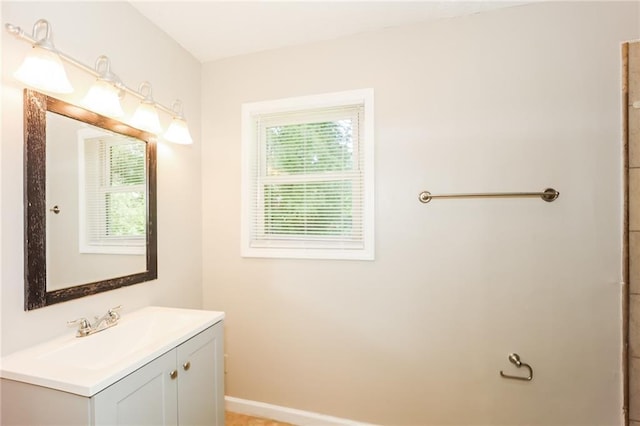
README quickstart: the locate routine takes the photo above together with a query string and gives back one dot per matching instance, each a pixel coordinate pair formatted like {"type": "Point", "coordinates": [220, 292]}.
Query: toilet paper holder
{"type": "Point", "coordinates": [515, 359]}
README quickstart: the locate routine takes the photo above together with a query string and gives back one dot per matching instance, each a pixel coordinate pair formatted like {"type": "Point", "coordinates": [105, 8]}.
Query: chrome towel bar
{"type": "Point", "coordinates": [548, 195]}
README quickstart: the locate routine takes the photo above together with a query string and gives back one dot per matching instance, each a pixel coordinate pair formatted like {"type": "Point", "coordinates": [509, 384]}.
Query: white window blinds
{"type": "Point", "coordinates": [306, 192]}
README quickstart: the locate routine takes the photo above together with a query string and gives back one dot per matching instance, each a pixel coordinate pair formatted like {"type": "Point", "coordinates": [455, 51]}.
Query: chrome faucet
{"type": "Point", "coordinates": [85, 328]}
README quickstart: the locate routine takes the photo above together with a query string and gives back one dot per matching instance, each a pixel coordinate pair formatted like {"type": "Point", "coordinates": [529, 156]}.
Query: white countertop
{"type": "Point", "coordinates": [86, 365]}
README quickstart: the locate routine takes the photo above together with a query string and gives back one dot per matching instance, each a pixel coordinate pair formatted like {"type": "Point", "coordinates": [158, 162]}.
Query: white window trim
{"type": "Point", "coordinates": [132, 246]}
{"type": "Point", "coordinates": [274, 249]}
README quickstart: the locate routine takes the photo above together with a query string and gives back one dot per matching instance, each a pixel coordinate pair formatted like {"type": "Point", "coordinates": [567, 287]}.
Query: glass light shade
{"type": "Point", "coordinates": [178, 132]}
{"type": "Point", "coordinates": [43, 69]}
{"type": "Point", "coordinates": [146, 118]}
{"type": "Point", "coordinates": [104, 99]}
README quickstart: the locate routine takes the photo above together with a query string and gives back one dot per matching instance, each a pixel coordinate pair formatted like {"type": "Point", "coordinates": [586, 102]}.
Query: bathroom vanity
{"type": "Point", "coordinates": [158, 366]}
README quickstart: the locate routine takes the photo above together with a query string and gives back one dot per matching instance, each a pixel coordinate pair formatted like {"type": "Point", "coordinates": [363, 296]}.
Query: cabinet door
{"type": "Point", "coordinates": [201, 379]}
{"type": "Point", "coordinates": [145, 397]}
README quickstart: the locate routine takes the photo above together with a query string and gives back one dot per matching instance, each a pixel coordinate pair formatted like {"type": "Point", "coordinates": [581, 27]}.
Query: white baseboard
{"type": "Point", "coordinates": [285, 414]}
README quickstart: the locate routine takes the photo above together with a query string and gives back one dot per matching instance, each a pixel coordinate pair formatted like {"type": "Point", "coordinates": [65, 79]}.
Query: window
{"type": "Point", "coordinates": [112, 180]}
{"type": "Point", "coordinates": [307, 182]}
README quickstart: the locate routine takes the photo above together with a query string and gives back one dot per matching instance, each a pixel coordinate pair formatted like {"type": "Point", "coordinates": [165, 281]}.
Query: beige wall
{"type": "Point", "coordinates": [138, 51]}
{"type": "Point", "coordinates": [519, 99]}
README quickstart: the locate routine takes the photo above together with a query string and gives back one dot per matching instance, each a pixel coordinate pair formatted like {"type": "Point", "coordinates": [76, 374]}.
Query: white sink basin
{"type": "Point", "coordinates": [86, 365]}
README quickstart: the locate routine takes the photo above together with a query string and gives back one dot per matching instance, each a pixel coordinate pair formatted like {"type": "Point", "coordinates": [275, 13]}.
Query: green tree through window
{"type": "Point", "coordinates": [126, 207]}
{"type": "Point", "coordinates": [321, 204]}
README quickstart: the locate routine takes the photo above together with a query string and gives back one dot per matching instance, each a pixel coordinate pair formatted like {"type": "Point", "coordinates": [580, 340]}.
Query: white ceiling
{"type": "Point", "coordinates": [212, 30]}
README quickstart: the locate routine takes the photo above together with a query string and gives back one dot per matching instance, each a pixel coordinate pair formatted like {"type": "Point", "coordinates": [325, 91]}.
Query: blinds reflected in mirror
{"type": "Point", "coordinates": [112, 193]}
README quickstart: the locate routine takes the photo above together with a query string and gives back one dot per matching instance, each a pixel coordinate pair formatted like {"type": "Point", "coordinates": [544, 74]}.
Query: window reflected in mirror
{"type": "Point", "coordinates": [96, 192]}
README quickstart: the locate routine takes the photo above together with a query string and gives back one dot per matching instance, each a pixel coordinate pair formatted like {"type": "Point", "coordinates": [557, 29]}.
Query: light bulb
{"type": "Point", "coordinates": [146, 118]}
{"type": "Point", "coordinates": [43, 69]}
{"type": "Point", "coordinates": [178, 132]}
{"type": "Point", "coordinates": [104, 99]}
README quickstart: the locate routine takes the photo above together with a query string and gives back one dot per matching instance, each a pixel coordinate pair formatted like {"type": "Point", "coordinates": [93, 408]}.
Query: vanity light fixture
{"type": "Point", "coordinates": [146, 115]}
{"type": "Point", "coordinates": [178, 132]}
{"type": "Point", "coordinates": [105, 95]}
{"type": "Point", "coordinates": [42, 67]}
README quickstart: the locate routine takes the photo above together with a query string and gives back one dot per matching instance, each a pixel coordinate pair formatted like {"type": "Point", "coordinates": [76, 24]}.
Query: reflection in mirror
{"type": "Point", "coordinates": [96, 199]}
{"type": "Point", "coordinates": [90, 203]}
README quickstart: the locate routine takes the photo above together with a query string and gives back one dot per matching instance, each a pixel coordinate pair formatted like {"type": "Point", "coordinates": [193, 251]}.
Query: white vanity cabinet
{"type": "Point", "coordinates": [146, 397]}
{"type": "Point", "coordinates": [182, 385]}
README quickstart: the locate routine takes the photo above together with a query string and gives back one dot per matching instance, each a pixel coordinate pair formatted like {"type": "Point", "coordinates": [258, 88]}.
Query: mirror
{"type": "Point", "coordinates": [90, 202]}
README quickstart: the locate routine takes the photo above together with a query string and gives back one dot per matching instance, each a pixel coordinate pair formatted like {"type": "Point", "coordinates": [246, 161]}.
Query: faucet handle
{"type": "Point", "coordinates": [82, 321]}
{"type": "Point", "coordinates": [83, 326]}
{"type": "Point", "coordinates": [113, 314]}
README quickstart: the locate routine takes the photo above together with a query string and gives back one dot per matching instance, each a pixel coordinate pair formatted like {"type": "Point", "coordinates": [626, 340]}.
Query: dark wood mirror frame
{"type": "Point", "coordinates": [36, 295]}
